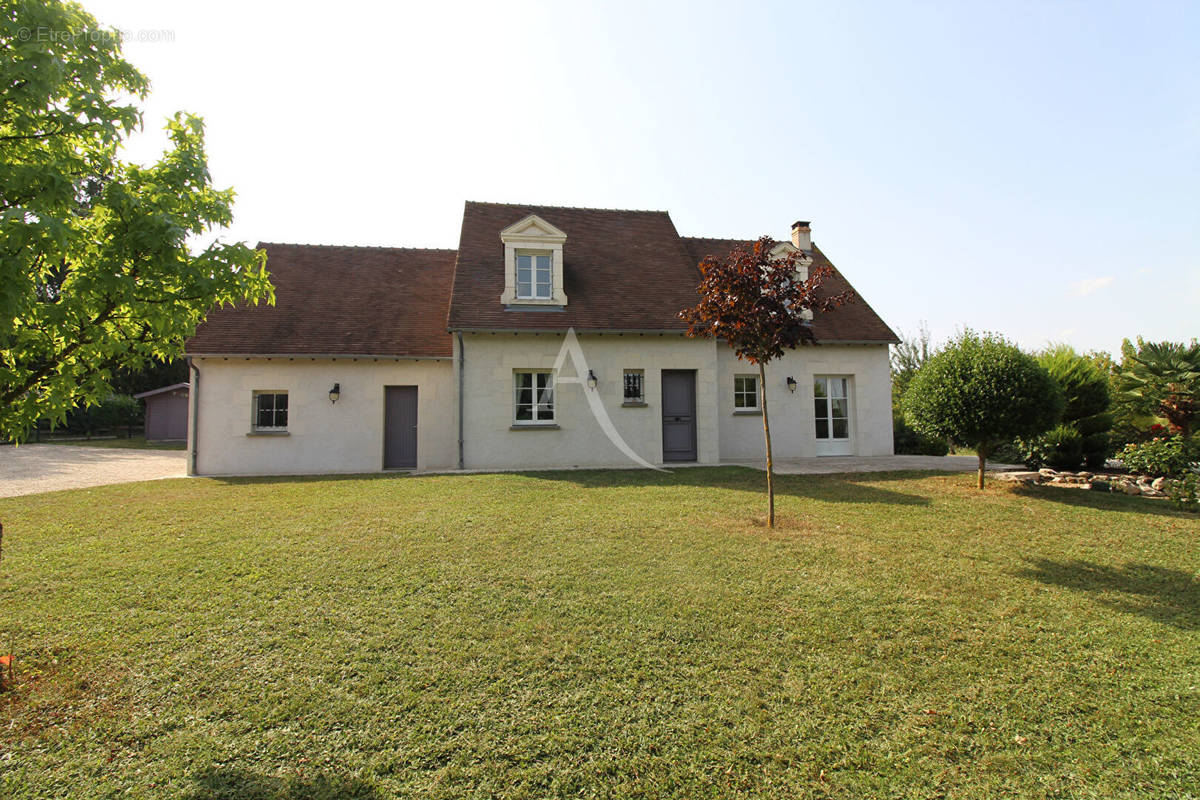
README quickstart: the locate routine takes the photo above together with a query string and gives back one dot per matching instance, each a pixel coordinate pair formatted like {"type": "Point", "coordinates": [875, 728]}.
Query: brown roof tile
{"type": "Point", "coordinates": [340, 300]}
{"type": "Point", "coordinates": [853, 322]}
{"type": "Point", "coordinates": [622, 270]}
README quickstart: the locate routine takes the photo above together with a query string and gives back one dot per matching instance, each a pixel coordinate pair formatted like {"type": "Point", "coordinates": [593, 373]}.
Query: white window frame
{"type": "Point", "coordinates": [741, 391]}
{"type": "Point", "coordinates": [257, 393]}
{"type": "Point", "coordinates": [641, 397]}
{"type": "Point", "coordinates": [534, 270]}
{"type": "Point", "coordinates": [842, 383]}
{"type": "Point", "coordinates": [534, 419]}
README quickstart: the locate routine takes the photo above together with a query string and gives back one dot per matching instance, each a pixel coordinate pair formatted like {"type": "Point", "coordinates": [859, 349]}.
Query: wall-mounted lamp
{"type": "Point", "coordinates": [791, 384]}
{"type": "Point", "coordinates": [591, 379]}
{"type": "Point", "coordinates": [335, 393]}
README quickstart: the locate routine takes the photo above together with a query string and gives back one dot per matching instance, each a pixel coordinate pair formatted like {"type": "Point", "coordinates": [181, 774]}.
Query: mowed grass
{"type": "Point", "coordinates": [599, 634]}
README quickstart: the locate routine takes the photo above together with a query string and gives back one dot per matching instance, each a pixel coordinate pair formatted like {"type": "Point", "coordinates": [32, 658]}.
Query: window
{"type": "Point", "coordinates": [270, 411]}
{"type": "Point", "coordinates": [745, 393]}
{"type": "Point", "coordinates": [534, 271]}
{"type": "Point", "coordinates": [533, 397]}
{"type": "Point", "coordinates": [634, 393]}
{"type": "Point", "coordinates": [831, 408]}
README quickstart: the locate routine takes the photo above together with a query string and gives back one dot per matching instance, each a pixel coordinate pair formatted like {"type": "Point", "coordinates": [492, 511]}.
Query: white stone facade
{"type": "Point", "coordinates": [322, 437]}
{"type": "Point", "coordinates": [347, 436]}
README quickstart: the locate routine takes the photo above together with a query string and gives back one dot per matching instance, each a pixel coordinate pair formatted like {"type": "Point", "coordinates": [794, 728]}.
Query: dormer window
{"type": "Point", "coordinates": [533, 265]}
{"type": "Point", "coordinates": [535, 275]}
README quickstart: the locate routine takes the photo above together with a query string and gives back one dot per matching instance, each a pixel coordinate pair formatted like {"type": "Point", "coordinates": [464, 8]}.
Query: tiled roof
{"type": "Point", "coordinates": [853, 322]}
{"type": "Point", "coordinates": [622, 271]}
{"type": "Point", "coordinates": [340, 300]}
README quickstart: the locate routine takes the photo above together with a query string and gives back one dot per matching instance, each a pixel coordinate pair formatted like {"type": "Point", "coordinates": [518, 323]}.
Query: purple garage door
{"type": "Point", "coordinates": [167, 416]}
{"type": "Point", "coordinates": [400, 427]}
{"type": "Point", "coordinates": [679, 414]}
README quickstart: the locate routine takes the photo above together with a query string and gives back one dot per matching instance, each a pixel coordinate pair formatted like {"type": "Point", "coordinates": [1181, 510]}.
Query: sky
{"type": "Point", "coordinates": [1031, 169]}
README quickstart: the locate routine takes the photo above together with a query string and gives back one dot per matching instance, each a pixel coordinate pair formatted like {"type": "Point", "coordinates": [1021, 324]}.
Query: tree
{"type": "Point", "coordinates": [1163, 378]}
{"type": "Point", "coordinates": [908, 357]}
{"type": "Point", "coordinates": [101, 269]}
{"type": "Point", "coordinates": [757, 299]}
{"type": "Point", "coordinates": [981, 391]}
{"type": "Point", "coordinates": [1086, 403]}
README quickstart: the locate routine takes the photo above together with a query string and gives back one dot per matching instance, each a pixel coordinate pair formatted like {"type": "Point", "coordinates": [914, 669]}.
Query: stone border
{"type": "Point", "coordinates": [1132, 485]}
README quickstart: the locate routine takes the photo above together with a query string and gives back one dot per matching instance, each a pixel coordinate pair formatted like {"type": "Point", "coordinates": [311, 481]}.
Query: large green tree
{"type": "Point", "coordinates": [981, 391]}
{"type": "Point", "coordinates": [102, 263]}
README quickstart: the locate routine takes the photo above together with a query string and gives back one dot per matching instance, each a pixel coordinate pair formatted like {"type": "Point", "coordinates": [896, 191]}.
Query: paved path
{"type": "Point", "coordinates": [33, 468]}
{"type": "Point", "coordinates": [834, 464]}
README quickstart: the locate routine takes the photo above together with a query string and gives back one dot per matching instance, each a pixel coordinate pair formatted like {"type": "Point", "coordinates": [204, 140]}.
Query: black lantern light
{"type": "Point", "coordinates": [791, 384]}
{"type": "Point", "coordinates": [591, 379]}
{"type": "Point", "coordinates": [335, 393]}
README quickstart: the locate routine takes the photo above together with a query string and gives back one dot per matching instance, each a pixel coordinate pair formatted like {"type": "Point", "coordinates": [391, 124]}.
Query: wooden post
{"type": "Point", "coordinates": [762, 388]}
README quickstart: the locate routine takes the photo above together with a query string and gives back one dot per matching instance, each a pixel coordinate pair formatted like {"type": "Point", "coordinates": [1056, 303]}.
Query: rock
{"type": "Point", "coordinates": [1087, 476]}
{"type": "Point", "coordinates": [1158, 483]}
{"type": "Point", "coordinates": [1046, 472]}
{"type": "Point", "coordinates": [1016, 476]}
{"type": "Point", "coordinates": [1132, 489]}
{"type": "Point", "coordinates": [1100, 486]}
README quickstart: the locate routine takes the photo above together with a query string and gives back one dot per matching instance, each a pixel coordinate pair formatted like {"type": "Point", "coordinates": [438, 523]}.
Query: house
{"type": "Point", "coordinates": [166, 413]}
{"type": "Point", "coordinates": [549, 338]}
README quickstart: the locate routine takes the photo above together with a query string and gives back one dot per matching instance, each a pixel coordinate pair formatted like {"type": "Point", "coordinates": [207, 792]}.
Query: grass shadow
{"type": "Point", "coordinates": [1100, 501]}
{"type": "Point", "coordinates": [1170, 596]}
{"type": "Point", "coordinates": [236, 784]}
{"type": "Point", "coordinates": [839, 488]}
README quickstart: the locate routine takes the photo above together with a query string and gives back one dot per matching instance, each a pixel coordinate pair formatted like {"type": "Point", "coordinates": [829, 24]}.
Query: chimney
{"type": "Point", "coordinates": [802, 236]}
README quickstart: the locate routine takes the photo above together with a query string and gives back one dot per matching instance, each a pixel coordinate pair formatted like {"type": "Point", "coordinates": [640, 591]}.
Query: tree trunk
{"type": "Point", "coordinates": [762, 388]}
{"type": "Point", "coordinates": [982, 453]}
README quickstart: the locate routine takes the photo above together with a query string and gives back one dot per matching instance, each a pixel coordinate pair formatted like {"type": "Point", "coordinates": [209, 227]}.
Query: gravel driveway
{"type": "Point", "coordinates": [33, 468]}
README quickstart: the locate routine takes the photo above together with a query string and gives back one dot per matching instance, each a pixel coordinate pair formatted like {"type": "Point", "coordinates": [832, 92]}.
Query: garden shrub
{"type": "Point", "coordinates": [1164, 456]}
{"type": "Point", "coordinates": [1059, 448]}
{"type": "Point", "coordinates": [980, 391]}
{"type": "Point", "coordinates": [1085, 388]}
{"type": "Point", "coordinates": [111, 414]}
{"type": "Point", "coordinates": [907, 441]}
{"type": "Point", "coordinates": [1008, 453]}
{"type": "Point", "coordinates": [1184, 492]}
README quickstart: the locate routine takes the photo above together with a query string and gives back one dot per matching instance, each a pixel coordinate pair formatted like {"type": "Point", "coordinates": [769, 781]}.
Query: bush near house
{"type": "Point", "coordinates": [907, 358]}
{"type": "Point", "coordinates": [908, 441]}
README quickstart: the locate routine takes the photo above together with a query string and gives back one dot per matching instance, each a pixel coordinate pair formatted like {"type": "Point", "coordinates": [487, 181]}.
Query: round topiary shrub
{"type": "Point", "coordinates": [981, 391]}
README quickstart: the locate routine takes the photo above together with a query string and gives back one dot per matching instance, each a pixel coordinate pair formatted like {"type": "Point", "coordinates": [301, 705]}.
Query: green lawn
{"type": "Point", "coordinates": [589, 634]}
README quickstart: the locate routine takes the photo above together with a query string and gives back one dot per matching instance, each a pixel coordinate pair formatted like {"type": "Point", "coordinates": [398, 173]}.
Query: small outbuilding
{"type": "Point", "coordinates": [166, 413]}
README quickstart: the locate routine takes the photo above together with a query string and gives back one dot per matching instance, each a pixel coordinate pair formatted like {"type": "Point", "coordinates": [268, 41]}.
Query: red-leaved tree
{"type": "Point", "coordinates": [756, 301]}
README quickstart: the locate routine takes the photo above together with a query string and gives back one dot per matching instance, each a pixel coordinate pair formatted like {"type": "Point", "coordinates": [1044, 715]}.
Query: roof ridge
{"type": "Point", "coordinates": [571, 208]}
{"type": "Point", "coordinates": [357, 247]}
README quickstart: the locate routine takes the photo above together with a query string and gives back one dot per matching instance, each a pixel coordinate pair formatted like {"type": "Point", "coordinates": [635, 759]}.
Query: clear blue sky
{"type": "Point", "coordinates": [1032, 169]}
